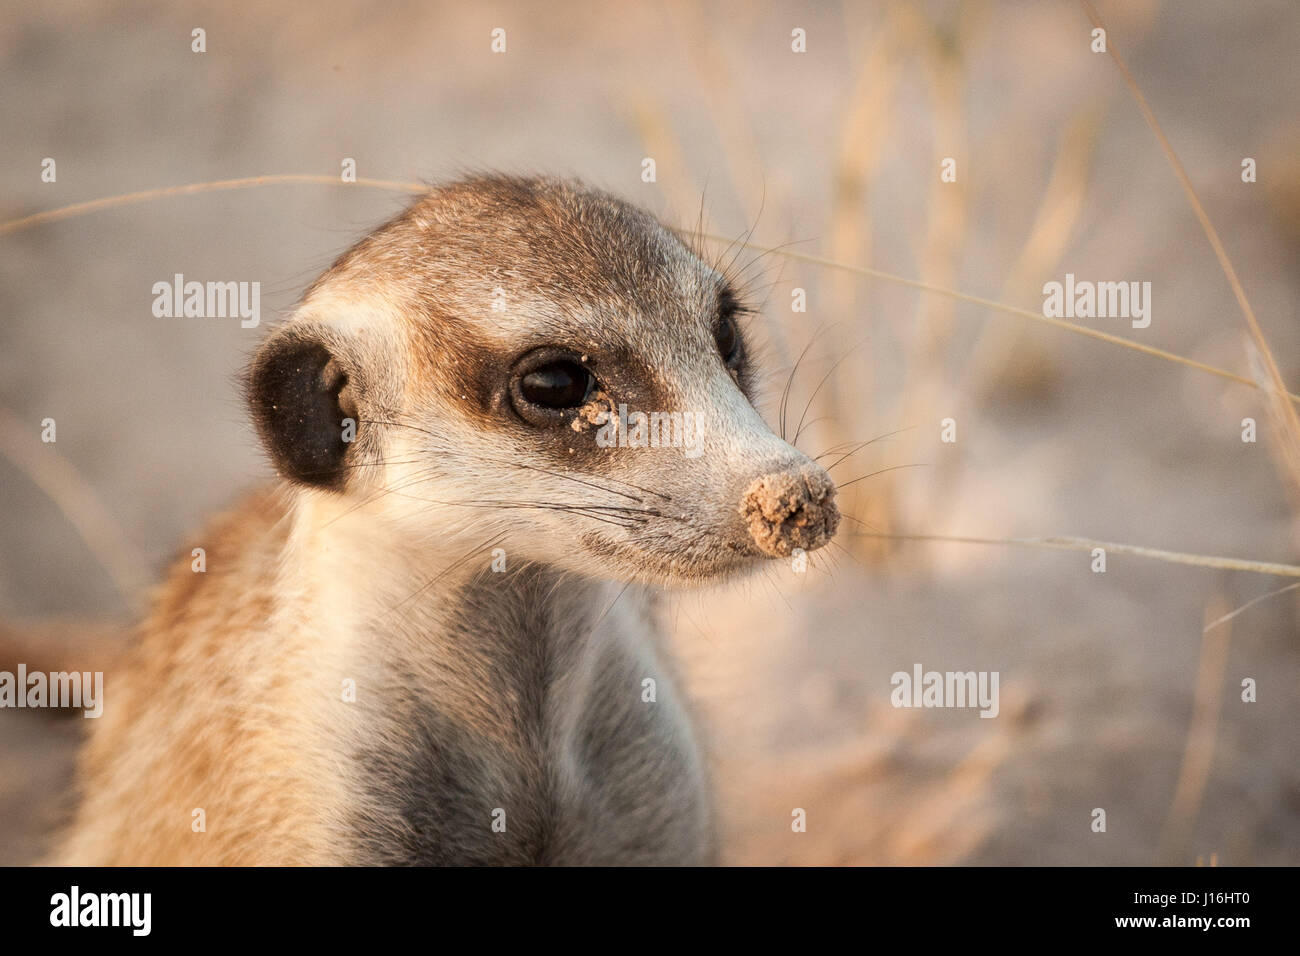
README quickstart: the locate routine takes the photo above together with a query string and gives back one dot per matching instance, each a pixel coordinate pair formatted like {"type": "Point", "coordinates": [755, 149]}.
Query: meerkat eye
{"type": "Point", "coordinates": [558, 385]}
{"type": "Point", "coordinates": [726, 334]}
{"type": "Point", "coordinates": [728, 339]}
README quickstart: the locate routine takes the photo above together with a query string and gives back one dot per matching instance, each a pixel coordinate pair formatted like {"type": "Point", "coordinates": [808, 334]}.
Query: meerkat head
{"type": "Point", "coordinates": [532, 365]}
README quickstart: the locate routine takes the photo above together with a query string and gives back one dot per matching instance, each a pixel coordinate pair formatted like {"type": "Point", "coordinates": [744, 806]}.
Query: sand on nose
{"type": "Point", "coordinates": [792, 509]}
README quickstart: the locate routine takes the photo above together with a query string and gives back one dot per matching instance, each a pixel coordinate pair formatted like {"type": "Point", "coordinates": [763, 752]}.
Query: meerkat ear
{"type": "Point", "coordinates": [303, 402]}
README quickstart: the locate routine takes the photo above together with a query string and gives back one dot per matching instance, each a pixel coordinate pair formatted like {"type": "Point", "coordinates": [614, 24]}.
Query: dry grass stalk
{"type": "Point", "coordinates": [1088, 544]}
{"type": "Point", "coordinates": [1283, 411]}
{"type": "Point", "coordinates": [1005, 356]}
{"type": "Point", "coordinates": [1198, 752]}
{"type": "Point", "coordinates": [1012, 310]}
{"type": "Point", "coordinates": [864, 130]}
{"type": "Point", "coordinates": [925, 396]}
{"type": "Point", "coordinates": [147, 195]}
{"type": "Point", "coordinates": [74, 497]}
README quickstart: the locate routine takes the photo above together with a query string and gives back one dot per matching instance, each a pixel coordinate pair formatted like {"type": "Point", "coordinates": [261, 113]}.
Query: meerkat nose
{"type": "Point", "coordinates": [791, 509]}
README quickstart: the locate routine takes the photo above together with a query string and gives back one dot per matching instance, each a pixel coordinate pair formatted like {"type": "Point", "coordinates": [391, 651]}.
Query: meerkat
{"type": "Point", "coordinates": [435, 640]}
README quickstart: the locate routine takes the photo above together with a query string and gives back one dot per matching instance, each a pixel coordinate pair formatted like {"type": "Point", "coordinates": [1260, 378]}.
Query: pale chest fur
{"type": "Point", "coordinates": [538, 722]}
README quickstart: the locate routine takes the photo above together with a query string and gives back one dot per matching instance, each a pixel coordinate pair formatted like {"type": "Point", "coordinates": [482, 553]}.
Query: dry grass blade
{"type": "Point", "coordinates": [1285, 454]}
{"type": "Point", "coordinates": [1088, 544]}
{"type": "Point", "coordinates": [1004, 353]}
{"type": "Point", "coordinates": [1009, 310]}
{"type": "Point", "coordinates": [863, 133]}
{"type": "Point", "coordinates": [1248, 605]}
{"type": "Point", "coordinates": [1198, 751]}
{"type": "Point", "coordinates": [1285, 411]}
{"type": "Point", "coordinates": [56, 476]}
{"type": "Point", "coordinates": [721, 95]}
{"type": "Point", "coordinates": [248, 182]}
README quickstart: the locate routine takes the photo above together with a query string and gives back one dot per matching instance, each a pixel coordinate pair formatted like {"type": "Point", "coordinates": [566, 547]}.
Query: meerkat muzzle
{"type": "Point", "coordinates": [791, 509]}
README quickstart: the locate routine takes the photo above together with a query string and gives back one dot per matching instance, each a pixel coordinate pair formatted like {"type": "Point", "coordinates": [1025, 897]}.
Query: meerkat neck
{"type": "Point", "coordinates": [363, 581]}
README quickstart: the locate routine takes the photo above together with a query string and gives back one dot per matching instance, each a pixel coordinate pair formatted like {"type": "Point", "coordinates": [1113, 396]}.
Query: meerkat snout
{"type": "Point", "coordinates": [791, 509]}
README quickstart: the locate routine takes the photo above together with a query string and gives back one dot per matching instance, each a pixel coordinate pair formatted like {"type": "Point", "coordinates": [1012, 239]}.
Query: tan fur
{"type": "Point", "coordinates": [185, 731]}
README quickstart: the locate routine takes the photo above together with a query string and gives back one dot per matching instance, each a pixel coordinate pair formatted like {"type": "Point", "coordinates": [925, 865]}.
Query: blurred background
{"type": "Point", "coordinates": [1112, 696]}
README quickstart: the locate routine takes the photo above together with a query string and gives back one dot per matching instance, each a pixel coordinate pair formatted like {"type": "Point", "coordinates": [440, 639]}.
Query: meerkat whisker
{"type": "Point", "coordinates": [856, 447]}
{"type": "Point", "coordinates": [915, 464]}
{"type": "Point", "coordinates": [794, 369]}
{"type": "Point", "coordinates": [798, 430]}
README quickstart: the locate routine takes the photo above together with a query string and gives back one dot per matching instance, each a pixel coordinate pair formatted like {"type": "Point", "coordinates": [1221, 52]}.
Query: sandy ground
{"type": "Point", "coordinates": [1057, 434]}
